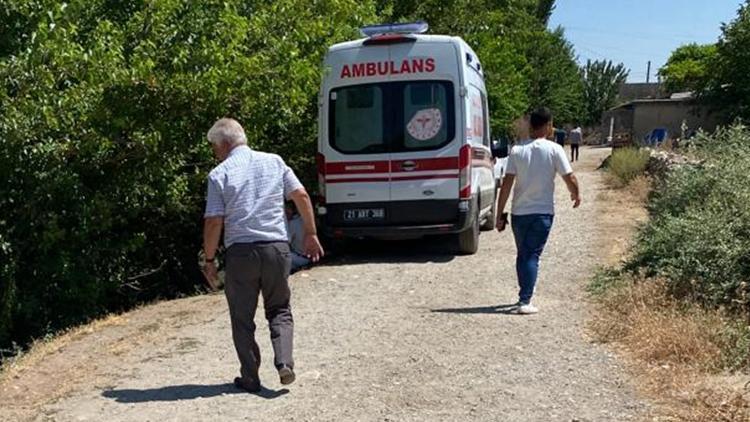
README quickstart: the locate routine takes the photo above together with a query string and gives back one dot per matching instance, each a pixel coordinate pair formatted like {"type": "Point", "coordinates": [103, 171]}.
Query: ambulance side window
{"type": "Point", "coordinates": [357, 117]}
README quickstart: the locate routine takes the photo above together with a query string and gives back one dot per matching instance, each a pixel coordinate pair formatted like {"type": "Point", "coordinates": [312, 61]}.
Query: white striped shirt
{"type": "Point", "coordinates": [248, 189]}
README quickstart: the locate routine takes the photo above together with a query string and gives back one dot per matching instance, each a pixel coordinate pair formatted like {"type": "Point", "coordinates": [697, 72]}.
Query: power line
{"type": "Point", "coordinates": [618, 49]}
{"type": "Point", "coordinates": [596, 53]}
{"type": "Point", "coordinates": [637, 34]}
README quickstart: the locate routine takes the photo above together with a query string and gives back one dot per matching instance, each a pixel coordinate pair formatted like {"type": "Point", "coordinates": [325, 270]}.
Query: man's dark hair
{"type": "Point", "coordinates": [540, 117]}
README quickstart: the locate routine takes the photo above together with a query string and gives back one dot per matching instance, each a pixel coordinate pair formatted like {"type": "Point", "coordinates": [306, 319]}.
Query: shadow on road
{"type": "Point", "coordinates": [184, 392]}
{"type": "Point", "coordinates": [506, 309]}
{"type": "Point", "coordinates": [372, 251]}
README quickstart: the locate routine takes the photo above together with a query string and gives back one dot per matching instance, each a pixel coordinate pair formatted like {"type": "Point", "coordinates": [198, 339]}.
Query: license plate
{"type": "Point", "coordinates": [364, 214]}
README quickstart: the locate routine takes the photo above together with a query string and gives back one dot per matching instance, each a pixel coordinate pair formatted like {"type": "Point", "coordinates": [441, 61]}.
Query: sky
{"type": "Point", "coordinates": [636, 31]}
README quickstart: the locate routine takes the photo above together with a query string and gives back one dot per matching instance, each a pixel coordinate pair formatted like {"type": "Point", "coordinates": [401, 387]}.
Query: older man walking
{"type": "Point", "coordinates": [532, 166]}
{"type": "Point", "coordinates": [246, 194]}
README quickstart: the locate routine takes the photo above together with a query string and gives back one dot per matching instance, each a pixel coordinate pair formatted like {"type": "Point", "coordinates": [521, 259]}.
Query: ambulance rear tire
{"type": "Point", "coordinates": [468, 240]}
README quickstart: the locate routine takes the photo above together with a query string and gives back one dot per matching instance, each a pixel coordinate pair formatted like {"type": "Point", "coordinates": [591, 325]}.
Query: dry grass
{"type": "Point", "coordinates": [638, 189]}
{"type": "Point", "coordinates": [657, 330]}
{"type": "Point", "coordinates": [42, 348]}
{"type": "Point", "coordinates": [676, 350]}
{"type": "Point", "coordinates": [621, 210]}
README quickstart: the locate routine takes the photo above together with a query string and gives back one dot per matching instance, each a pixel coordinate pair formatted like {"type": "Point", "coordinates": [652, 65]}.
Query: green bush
{"type": "Point", "coordinates": [104, 106]}
{"type": "Point", "coordinates": [628, 163]}
{"type": "Point", "coordinates": [698, 237]}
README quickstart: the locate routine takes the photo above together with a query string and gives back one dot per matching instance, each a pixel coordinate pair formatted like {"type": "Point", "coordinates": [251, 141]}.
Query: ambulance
{"type": "Point", "coordinates": [404, 145]}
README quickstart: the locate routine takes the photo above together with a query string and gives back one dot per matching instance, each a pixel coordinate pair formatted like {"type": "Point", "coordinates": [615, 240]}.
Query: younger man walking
{"type": "Point", "coordinates": [532, 166]}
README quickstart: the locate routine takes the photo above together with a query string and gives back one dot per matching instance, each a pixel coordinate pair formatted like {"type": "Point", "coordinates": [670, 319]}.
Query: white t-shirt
{"type": "Point", "coordinates": [576, 135]}
{"type": "Point", "coordinates": [535, 163]}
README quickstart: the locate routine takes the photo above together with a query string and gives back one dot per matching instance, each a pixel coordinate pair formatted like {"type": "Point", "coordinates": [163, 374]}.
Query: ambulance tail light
{"type": "Point", "coordinates": [320, 160]}
{"type": "Point", "coordinates": [464, 172]}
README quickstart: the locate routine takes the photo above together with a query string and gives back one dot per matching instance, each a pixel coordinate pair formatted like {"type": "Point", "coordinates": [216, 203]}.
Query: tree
{"type": "Point", "coordinates": [601, 80]}
{"type": "Point", "coordinates": [728, 85]}
{"type": "Point", "coordinates": [688, 68]}
{"type": "Point", "coordinates": [555, 80]}
{"type": "Point", "coordinates": [104, 106]}
{"type": "Point", "coordinates": [544, 10]}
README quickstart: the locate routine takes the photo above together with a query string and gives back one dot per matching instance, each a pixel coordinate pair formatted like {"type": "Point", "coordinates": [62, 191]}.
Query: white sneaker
{"type": "Point", "coordinates": [527, 309]}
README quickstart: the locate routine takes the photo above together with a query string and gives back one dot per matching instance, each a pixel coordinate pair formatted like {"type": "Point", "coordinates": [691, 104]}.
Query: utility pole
{"type": "Point", "coordinates": [648, 72]}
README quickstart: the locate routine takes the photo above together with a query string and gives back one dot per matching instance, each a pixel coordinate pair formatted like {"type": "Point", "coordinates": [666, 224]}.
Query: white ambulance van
{"type": "Point", "coordinates": [404, 145]}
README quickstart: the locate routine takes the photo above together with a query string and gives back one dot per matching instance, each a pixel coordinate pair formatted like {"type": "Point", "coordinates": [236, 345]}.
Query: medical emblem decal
{"type": "Point", "coordinates": [425, 124]}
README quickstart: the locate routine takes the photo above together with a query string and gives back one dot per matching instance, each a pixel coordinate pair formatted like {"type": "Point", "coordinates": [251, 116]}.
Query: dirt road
{"type": "Point", "coordinates": [394, 332]}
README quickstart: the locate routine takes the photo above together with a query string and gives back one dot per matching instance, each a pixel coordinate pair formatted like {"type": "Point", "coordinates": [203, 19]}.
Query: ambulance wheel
{"type": "Point", "coordinates": [468, 240]}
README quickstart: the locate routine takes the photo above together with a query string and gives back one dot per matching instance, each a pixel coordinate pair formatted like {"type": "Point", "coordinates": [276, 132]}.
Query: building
{"type": "Point", "coordinates": [641, 91]}
{"type": "Point", "coordinates": [635, 120]}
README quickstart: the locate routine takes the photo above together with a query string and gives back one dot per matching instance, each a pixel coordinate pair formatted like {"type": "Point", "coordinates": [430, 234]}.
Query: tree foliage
{"type": "Point", "coordinates": [555, 79]}
{"type": "Point", "coordinates": [544, 10]}
{"type": "Point", "coordinates": [728, 87]}
{"type": "Point", "coordinates": [104, 107]}
{"type": "Point", "coordinates": [602, 81]}
{"type": "Point", "coordinates": [688, 68]}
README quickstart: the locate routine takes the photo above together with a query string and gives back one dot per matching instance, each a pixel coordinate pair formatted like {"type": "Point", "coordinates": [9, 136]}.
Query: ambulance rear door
{"type": "Point", "coordinates": [427, 133]}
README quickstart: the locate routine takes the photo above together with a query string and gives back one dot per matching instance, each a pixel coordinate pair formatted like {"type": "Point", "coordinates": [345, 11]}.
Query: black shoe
{"type": "Point", "coordinates": [286, 375]}
{"type": "Point", "coordinates": [249, 386]}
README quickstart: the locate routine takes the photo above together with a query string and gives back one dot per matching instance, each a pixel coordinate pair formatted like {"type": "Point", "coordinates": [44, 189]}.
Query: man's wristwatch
{"type": "Point", "coordinates": [203, 260]}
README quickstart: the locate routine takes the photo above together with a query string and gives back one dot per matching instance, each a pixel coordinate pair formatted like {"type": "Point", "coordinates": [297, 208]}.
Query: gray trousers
{"type": "Point", "coordinates": [252, 269]}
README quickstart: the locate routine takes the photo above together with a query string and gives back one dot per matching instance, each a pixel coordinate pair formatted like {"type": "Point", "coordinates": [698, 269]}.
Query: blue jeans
{"type": "Point", "coordinates": [531, 232]}
{"type": "Point", "coordinates": [299, 262]}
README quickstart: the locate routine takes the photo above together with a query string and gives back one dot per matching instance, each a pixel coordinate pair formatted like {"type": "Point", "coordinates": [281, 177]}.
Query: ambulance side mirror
{"type": "Point", "coordinates": [500, 148]}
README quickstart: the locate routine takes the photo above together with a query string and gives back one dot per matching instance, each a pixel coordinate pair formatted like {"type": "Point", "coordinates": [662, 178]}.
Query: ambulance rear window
{"type": "Point", "coordinates": [359, 126]}
{"type": "Point", "coordinates": [391, 117]}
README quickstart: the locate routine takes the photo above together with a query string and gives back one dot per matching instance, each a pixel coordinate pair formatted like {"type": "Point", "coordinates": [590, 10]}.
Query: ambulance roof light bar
{"type": "Point", "coordinates": [371, 31]}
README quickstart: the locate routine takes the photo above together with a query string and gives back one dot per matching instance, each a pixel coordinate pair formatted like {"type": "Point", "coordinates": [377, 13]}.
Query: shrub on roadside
{"type": "Point", "coordinates": [698, 236]}
{"type": "Point", "coordinates": [628, 163]}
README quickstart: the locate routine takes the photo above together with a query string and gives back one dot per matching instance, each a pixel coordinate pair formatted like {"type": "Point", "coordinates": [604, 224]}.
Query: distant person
{"type": "Point", "coordinates": [295, 228]}
{"type": "Point", "coordinates": [575, 140]}
{"type": "Point", "coordinates": [559, 136]}
{"type": "Point", "coordinates": [532, 166]}
{"type": "Point", "coordinates": [245, 197]}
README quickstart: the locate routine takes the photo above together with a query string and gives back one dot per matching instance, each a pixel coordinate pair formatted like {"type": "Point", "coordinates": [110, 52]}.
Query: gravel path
{"type": "Point", "coordinates": [395, 332]}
